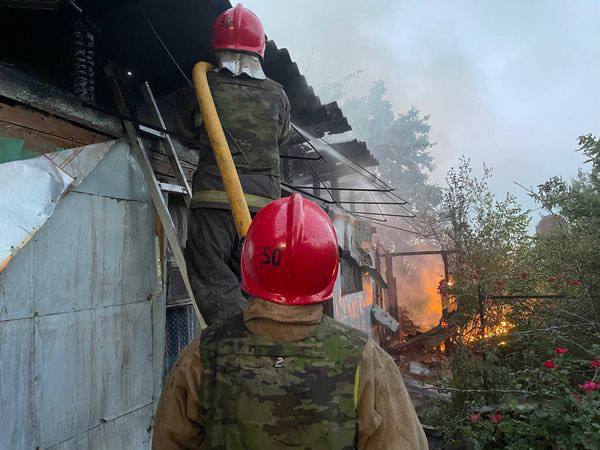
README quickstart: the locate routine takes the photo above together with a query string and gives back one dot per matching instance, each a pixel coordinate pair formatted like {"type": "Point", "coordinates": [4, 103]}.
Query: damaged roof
{"type": "Point", "coordinates": [185, 29]}
{"type": "Point", "coordinates": [307, 109]}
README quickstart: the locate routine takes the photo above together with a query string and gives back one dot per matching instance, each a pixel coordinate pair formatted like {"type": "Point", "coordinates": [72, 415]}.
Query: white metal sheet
{"type": "Point", "coordinates": [80, 355]}
{"type": "Point", "coordinates": [119, 176]}
{"type": "Point", "coordinates": [31, 188]}
{"type": "Point", "coordinates": [16, 288]}
{"type": "Point", "coordinates": [16, 384]}
{"type": "Point", "coordinates": [122, 359]}
{"type": "Point", "coordinates": [109, 241]}
{"type": "Point", "coordinates": [92, 367]}
{"type": "Point", "coordinates": [63, 258]}
{"type": "Point", "coordinates": [64, 388]}
{"type": "Point", "coordinates": [130, 432]}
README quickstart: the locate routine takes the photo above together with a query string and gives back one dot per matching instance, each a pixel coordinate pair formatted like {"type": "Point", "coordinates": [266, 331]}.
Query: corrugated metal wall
{"type": "Point", "coordinates": [82, 321]}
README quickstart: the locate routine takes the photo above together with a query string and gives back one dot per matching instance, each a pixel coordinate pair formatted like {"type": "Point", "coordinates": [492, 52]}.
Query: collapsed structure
{"type": "Point", "coordinates": [93, 311]}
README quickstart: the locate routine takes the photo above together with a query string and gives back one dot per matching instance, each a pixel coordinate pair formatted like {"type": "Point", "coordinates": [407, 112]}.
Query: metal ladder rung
{"type": "Point", "coordinates": [152, 131]}
{"type": "Point", "coordinates": [175, 188]}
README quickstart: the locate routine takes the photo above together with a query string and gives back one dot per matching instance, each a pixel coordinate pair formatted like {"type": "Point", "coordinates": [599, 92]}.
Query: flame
{"type": "Point", "coordinates": [500, 329]}
{"type": "Point", "coordinates": [417, 281]}
{"type": "Point", "coordinates": [368, 289]}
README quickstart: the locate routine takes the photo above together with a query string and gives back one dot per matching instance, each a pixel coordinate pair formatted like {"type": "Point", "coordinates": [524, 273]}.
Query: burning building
{"type": "Point", "coordinates": [418, 296]}
{"type": "Point", "coordinates": [90, 296]}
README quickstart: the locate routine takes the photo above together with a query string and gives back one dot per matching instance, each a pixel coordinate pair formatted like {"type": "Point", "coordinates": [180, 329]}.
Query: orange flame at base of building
{"type": "Point", "coordinates": [503, 328]}
{"type": "Point", "coordinates": [417, 281]}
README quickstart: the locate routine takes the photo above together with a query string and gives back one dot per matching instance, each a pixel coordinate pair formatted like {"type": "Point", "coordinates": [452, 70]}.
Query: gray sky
{"type": "Point", "coordinates": [508, 83]}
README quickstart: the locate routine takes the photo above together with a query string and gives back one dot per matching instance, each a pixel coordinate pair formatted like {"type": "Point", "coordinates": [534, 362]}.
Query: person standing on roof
{"type": "Point", "coordinates": [281, 375]}
{"type": "Point", "coordinates": [255, 114]}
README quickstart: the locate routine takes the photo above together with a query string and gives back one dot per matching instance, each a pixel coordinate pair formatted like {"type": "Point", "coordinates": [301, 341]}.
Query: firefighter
{"type": "Point", "coordinates": [282, 375]}
{"type": "Point", "coordinates": [255, 114]}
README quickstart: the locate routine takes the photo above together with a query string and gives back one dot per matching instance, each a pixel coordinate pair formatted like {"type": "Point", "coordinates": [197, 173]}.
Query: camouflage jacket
{"type": "Point", "coordinates": [255, 115]}
{"type": "Point", "coordinates": [385, 415]}
{"type": "Point", "coordinates": [259, 394]}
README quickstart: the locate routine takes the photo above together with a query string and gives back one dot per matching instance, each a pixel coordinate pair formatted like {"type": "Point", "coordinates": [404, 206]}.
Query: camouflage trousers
{"type": "Point", "coordinates": [213, 262]}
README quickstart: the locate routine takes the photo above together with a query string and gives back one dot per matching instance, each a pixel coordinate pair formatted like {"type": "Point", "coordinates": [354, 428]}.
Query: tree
{"type": "Point", "coordinates": [399, 141]}
{"type": "Point", "coordinates": [536, 384]}
{"type": "Point", "coordinates": [572, 250]}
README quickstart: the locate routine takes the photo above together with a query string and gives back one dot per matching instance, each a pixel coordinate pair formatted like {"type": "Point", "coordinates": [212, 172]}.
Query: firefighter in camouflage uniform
{"type": "Point", "coordinates": [281, 375]}
{"type": "Point", "coordinates": [255, 114]}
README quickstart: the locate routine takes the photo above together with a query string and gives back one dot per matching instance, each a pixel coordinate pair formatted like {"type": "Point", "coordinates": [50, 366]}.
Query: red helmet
{"type": "Point", "coordinates": [238, 29]}
{"type": "Point", "coordinates": [290, 253]}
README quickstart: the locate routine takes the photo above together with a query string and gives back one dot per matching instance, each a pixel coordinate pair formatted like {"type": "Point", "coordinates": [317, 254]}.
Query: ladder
{"type": "Point", "coordinates": [155, 187]}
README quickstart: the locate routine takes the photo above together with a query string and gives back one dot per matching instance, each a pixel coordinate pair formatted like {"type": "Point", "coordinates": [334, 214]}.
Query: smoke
{"type": "Point", "coordinates": [510, 83]}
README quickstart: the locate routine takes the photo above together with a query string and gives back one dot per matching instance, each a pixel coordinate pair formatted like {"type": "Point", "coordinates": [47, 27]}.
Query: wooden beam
{"type": "Point", "coordinates": [41, 97]}
{"type": "Point", "coordinates": [44, 132]}
{"type": "Point", "coordinates": [162, 166]}
{"type": "Point", "coordinates": [34, 140]}
{"type": "Point", "coordinates": [390, 280]}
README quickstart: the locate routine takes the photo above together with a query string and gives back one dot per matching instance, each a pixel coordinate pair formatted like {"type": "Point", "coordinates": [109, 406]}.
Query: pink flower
{"type": "Point", "coordinates": [574, 282]}
{"type": "Point", "coordinates": [561, 350]}
{"type": "Point", "coordinates": [590, 386]}
{"type": "Point", "coordinates": [595, 363]}
{"type": "Point", "coordinates": [575, 396]}
{"type": "Point", "coordinates": [496, 418]}
{"type": "Point", "coordinates": [552, 278]}
{"type": "Point", "coordinates": [474, 417]}
{"type": "Point", "coordinates": [549, 364]}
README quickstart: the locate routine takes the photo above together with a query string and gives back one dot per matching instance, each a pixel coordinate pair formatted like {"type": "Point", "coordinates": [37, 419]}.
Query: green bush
{"type": "Point", "coordinates": [536, 386]}
{"type": "Point", "coordinates": [554, 407]}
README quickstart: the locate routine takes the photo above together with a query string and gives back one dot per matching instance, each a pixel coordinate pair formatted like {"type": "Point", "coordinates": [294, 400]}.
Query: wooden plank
{"type": "Point", "coordinates": [160, 164]}
{"type": "Point", "coordinates": [35, 140]}
{"type": "Point", "coordinates": [49, 5]}
{"type": "Point", "coordinates": [40, 96]}
{"type": "Point", "coordinates": [49, 125]}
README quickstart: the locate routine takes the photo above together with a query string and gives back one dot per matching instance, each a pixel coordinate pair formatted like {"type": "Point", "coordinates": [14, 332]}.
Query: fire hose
{"type": "Point", "coordinates": [218, 141]}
